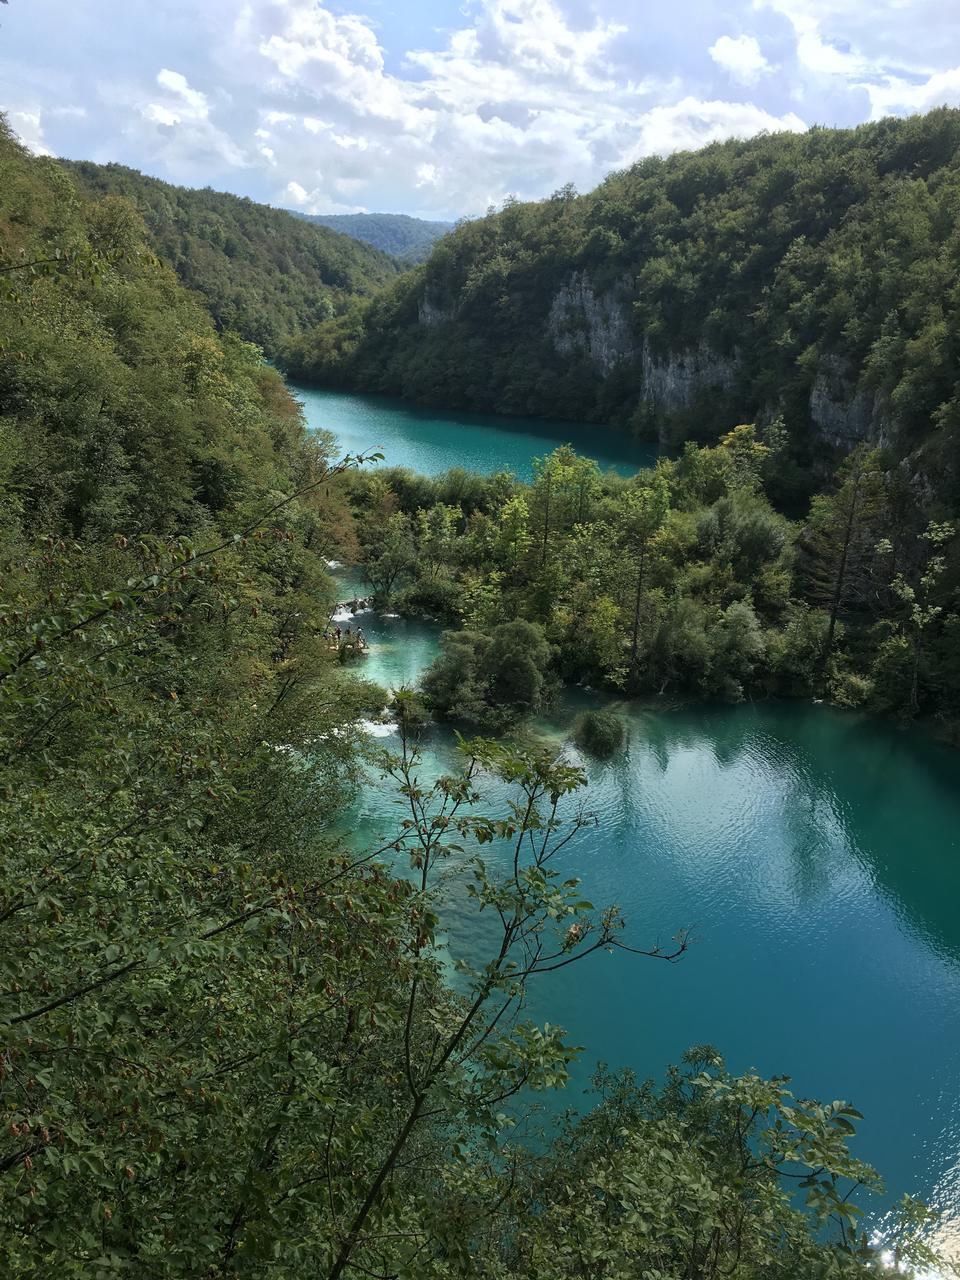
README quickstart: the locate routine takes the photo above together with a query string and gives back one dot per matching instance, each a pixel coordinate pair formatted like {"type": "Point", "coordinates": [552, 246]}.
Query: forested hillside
{"type": "Point", "coordinates": [407, 239]}
{"type": "Point", "coordinates": [813, 276]}
{"type": "Point", "coordinates": [228, 1042]}
{"type": "Point", "coordinates": [261, 271]}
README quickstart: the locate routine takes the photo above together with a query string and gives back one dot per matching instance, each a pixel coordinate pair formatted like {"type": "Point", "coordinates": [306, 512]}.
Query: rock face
{"type": "Point", "coordinates": [598, 325]}
{"type": "Point", "coordinates": [431, 309]}
{"type": "Point", "coordinates": [842, 414]}
{"type": "Point", "coordinates": [673, 384]}
{"type": "Point", "coordinates": [583, 321]}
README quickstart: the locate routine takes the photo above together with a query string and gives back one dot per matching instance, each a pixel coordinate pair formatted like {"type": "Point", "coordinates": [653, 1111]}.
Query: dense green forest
{"type": "Point", "coordinates": [262, 272]}
{"type": "Point", "coordinates": [685, 579]}
{"type": "Point", "coordinates": [812, 276]}
{"type": "Point", "coordinates": [229, 1047]}
{"type": "Point", "coordinates": [407, 239]}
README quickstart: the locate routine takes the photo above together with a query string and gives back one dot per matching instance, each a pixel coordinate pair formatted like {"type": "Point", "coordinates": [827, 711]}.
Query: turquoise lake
{"type": "Point", "coordinates": [431, 440]}
{"type": "Point", "coordinates": [814, 853]}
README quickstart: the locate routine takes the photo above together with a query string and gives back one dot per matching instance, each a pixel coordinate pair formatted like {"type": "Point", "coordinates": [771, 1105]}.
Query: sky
{"type": "Point", "coordinates": [441, 109]}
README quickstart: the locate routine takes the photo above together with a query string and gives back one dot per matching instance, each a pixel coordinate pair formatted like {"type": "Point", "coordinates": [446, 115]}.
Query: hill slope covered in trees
{"type": "Point", "coordinates": [228, 1043]}
{"type": "Point", "coordinates": [261, 271]}
{"type": "Point", "coordinates": [813, 276]}
{"type": "Point", "coordinates": [407, 239]}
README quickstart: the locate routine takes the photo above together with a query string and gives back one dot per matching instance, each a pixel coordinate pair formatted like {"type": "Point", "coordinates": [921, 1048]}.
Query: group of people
{"type": "Point", "coordinates": [337, 638]}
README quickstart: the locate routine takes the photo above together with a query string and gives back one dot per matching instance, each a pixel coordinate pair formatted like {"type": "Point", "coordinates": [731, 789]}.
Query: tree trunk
{"type": "Point", "coordinates": [373, 1194]}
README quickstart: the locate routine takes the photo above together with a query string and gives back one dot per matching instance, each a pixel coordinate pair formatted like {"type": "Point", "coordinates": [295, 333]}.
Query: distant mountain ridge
{"type": "Point", "coordinates": [409, 240]}
{"type": "Point", "coordinates": [261, 271]}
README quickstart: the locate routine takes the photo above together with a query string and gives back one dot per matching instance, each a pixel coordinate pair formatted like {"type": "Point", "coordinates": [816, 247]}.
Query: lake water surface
{"type": "Point", "coordinates": [815, 854]}
{"type": "Point", "coordinates": [430, 440]}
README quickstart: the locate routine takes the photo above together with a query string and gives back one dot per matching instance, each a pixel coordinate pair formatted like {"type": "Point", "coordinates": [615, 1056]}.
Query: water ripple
{"type": "Point", "coordinates": [817, 857]}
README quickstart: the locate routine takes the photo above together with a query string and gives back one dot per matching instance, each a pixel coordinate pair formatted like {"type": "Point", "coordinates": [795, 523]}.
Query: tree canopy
{"type": "Point", "coordinates": [231, 1044]}
{"type": "Point", "coordinates": [684, 579]}
{"type": "Point", "coordinates": [407, 239]}
{"type": "Point", "coordinates": [262, 272]}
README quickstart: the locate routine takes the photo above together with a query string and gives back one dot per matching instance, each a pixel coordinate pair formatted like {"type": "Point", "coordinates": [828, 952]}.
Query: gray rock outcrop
{"type": "Point", "coordinates": [842, 413]}
{"type": "Point", "coordinates": [431, 310]}
{"type": "Point", "coordinates": [598, 325]}
{"type": "Point", "coordinates": [673, 383]}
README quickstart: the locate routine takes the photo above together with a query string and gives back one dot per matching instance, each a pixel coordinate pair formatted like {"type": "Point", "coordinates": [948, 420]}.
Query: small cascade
{"type": "Point", "coordinates": [347, 610]}
{"type": "Point", "coordinates": [376, 729]}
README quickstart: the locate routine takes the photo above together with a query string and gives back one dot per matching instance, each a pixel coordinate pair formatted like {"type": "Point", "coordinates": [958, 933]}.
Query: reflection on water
{"type": "Point", "coordinates": [816, 856]}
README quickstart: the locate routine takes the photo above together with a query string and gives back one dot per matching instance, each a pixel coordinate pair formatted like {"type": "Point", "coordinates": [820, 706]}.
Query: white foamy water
{"type": "Point", "coordinates": [376, 729]}
{"type": "Point", "coordinates": [345, 614]}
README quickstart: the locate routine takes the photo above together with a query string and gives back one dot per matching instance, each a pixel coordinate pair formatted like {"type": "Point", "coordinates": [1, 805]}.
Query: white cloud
{"type": "Point", "coordinates": [826, 57]}
{"type": "Point", "coordinates": [337, 57]}
{"type": "Point", "coordinates": [741, 57]}
{"type": "Point", "coordinates": [28, 126]}
{"type": "Point", "coordinates": [691, 123]}
{"type": "Point", "coordinates": [851, 40]}
{"type": "Point", "coordinates": [514, 96]}
{"type": "Point", "coordinates": [347, 141]}
{"type": "Point", "coordinates": [897, 95]}
{"type": "Point", "coordinates": [160, 115]}
{"type": "Point", "coordinates": [883, 57]}
{"type": "Point", "coordinates": [517, 99]}
{"type": "Point", "coordinates": [174, 134]}
{"type": "Point", "coordinates": [428, 175]}
{"type": "Point", "coordinates": [183, 105]}
{"type": "Point", "coordinates": [194, 102]}
{"type": "Point", "coordinates": [316, 201]}
{"type": "Point", "coordinates": [532, 41]}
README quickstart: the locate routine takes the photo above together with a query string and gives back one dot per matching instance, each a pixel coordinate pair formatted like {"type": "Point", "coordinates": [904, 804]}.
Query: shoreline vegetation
{"type": "Point", "coordinates": [227, 1048]}
{"type": "Point", "coordinates": [930, 727]}
{"type": "Point", "coordinates": [683, 579]}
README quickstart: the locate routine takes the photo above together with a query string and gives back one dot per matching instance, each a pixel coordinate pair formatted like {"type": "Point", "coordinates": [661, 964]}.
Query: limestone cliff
{"type": "Point", "coordinates": [842, 413]}
{"type": "Point", "coordinates": [673, 383]}
{"type": "Point", "coordinates": [432, 310]}
{"type": "Point", "coordinates": [599, 325]}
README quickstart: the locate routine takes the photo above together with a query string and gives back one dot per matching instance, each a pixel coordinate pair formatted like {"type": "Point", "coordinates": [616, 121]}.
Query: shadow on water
{"type": "Point", "coordinates": [817, 856]}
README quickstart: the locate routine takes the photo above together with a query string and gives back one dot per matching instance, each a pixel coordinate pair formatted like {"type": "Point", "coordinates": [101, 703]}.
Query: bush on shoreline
{"type": "Point", "coordinates": [599, 733]}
